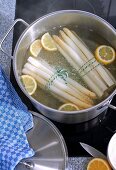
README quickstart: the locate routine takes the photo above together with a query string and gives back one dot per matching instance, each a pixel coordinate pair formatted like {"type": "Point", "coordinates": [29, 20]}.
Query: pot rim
{"type": "Point", "coordinates": [17, 76]}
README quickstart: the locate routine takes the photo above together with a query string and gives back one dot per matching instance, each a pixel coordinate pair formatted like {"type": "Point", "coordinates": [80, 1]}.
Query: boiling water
{"type": "Point", "coordinates": [55, 59]}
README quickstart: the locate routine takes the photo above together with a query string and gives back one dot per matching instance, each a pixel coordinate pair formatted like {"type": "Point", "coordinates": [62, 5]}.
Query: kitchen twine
{"type": "Point", "coordinates": [59, 73]}
{"type": "Point", "coordinates": [88, 66]}
{"type": "Point", "coordinates": [63, 73]}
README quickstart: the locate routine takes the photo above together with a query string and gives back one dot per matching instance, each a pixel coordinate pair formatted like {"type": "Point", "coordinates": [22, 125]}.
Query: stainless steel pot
{"type": "Point", "coordinates": [45, 23]}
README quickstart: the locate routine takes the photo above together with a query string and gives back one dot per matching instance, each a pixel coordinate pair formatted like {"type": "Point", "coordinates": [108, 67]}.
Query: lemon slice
{"type": "Point", "coordinates": [48, 42]}
{"type": "Point", "coordinates": [68, 107]}
{"type": "Point", "coordinates": [29, 83]}
{"type": "Point", "coordinates": [98, 164]}
{"type": "Point", "coordinates": [35, 48]}
{"type": "Point", "coordinates": [105, 54]}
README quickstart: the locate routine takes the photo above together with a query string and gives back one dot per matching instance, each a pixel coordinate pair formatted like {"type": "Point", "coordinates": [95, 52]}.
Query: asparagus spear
{"type": "Point", "coordinates": [55, 90]}
{"type": "Point", "coordinates": [57, 83]}
{"type": "Point", "coordinates": [97, 80]}
{"type": "Point", "coordinates": [85, 93]}
{"type": "Point", "coordinates": [89, 55]}
{"type": "Point", "coordinates": [72, 45]}
{"type": "Point", "coordinates": [69, 52]}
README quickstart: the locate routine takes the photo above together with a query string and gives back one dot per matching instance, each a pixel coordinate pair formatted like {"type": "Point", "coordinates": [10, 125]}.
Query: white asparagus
{"type": "Point", "coordinates": [97, 80]}
{"type": "Point", "coordinates": [63, 100]}
{"type": "Point", "coordinates": [58, 84]}
{"type": "Point", "coordinates": [40, 80]}
{"type": "Point", "coordinates": [38, 64]}
{"type": "Point", "coordinates": [94, 70]}
{"type": "Point", "coordinates": [46, 77]}
{"type": "Point", "coordinates": [73, 54]}
{"type": "Point", "coordinates": [82, 89]}
{"type": "Point", "coordinates": [79, 88]}
{"type": "Point", "coordinates": [82, 97]}
{"type": "Point", "coordinates": [72, 45]}
{"type": "Point", "coordinates": [56, 90]}
{"type": "Point", "coordinates": [41, 83]}
{"type": "Point", "coordinates": [111, 76]}
{"type": "Point", "coordinates": [75, 84]}
{"type": "Point", "coordinates": [89, 55]}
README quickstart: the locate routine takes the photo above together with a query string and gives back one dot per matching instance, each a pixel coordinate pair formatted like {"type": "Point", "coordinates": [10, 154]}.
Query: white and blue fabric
{"type": "Point", "coordinates": [15, 120]}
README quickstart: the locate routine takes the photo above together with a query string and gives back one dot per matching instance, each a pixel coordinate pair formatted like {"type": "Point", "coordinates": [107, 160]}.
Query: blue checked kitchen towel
{"type": "Point", "coordinates": [15, 120]}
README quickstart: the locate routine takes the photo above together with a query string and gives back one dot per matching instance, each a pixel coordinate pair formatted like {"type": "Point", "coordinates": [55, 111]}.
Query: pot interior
{"type": "Point", "coordinates": [93, 30]}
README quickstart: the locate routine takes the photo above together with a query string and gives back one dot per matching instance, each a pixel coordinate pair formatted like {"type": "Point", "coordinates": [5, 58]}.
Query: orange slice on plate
{"type": "Point", "coordinates": [48, 42]}
{"type": "Point", "coordinates": [105, 54]}
{"type": "Point", "coordinates": [98, 164]}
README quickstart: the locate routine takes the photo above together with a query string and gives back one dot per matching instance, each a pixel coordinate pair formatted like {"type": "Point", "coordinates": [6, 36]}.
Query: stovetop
{"type": "Point", "coordinates": [96, 132]}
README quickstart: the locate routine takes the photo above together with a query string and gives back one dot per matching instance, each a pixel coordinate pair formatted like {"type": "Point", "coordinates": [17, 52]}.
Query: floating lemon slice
{"type": "Point", "coordinates": [98, 164]}
{"type": "Point", "coordinates": [105, 54]}
{"type": "Point", "coordinates": [29, 83]}
{"type": "Point", "coordinates": [35, 48]}
{"type": "Point", "coordinates": [48, 42]}
{"type": "Point", "coordinates": [68, 107]}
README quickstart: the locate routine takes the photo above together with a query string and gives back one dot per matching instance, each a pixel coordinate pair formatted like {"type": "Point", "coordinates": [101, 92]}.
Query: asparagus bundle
{"type": "Point", "coordinates": [70, 90]}
{"type": "Point", "coordinates": [102, 72]}
{"type": "Point", "coordinates": [77, 54]}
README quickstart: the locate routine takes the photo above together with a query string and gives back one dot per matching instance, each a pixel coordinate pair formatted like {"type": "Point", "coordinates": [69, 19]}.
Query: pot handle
{"type": "Point", "coordinates": [112, 107]}
{"type": "Point", "coordinates": [7, 33]}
